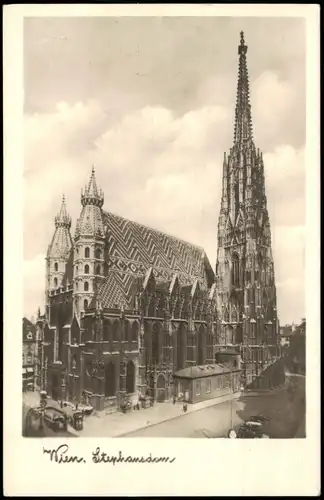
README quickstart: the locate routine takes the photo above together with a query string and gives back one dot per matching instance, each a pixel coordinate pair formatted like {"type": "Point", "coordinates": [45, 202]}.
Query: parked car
{"type": "Point", "coordinates": [259, 418]}
{"type": "Point", "coordinates": [254, 428]}
{"type": "Point", "coordinates": [55, 420]}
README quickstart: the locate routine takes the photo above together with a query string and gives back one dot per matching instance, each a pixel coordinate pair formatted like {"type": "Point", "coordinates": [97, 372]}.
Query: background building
{"type": "Point", "coordinates": [29, 354]}
{"type": "Point", "coordinates": [296, 352]}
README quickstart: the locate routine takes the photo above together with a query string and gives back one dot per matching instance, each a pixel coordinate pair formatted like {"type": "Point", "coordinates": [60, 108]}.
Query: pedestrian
{"type": "Point", "coordinates": [185, 407]}
{"type": "Point", "coordinates": [174, 400]}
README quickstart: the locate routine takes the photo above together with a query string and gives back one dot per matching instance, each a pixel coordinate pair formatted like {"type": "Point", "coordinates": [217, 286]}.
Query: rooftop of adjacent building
{"type": "Point", "coordinates": [201, 371]}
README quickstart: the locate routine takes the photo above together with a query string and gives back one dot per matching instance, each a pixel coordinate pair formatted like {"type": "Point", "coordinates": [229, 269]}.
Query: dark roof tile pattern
{"type": "Point", "coordinates": [137, 248]}
{"type": "Point", "coordinates": [133, 249]}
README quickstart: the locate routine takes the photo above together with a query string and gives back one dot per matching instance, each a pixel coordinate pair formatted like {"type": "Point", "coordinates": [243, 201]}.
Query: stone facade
{"type": "Point", "coordinates": [127, 306]}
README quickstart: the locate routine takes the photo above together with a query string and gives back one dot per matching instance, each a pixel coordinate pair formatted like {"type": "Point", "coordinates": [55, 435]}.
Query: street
{"type": "Point", "coordinates": [284, 407]}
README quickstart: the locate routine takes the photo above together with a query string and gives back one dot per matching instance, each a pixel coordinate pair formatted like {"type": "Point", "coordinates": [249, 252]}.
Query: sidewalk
{"type": "Point", "coordinates": [120, 424]}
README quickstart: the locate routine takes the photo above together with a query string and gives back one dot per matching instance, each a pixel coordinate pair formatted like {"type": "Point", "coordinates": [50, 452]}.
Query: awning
{"type": "Point", "coordinates": [30, 370]}
{"type": "Point", "coordinates": [24, 371]}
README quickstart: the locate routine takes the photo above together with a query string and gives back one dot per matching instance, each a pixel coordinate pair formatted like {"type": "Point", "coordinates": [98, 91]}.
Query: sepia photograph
{"type": "Point", "coordinates": [164, 227]}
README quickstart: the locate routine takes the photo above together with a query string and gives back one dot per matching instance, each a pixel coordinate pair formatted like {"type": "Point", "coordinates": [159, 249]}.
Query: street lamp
{"type": "Point", "coordinates": [74, 377]}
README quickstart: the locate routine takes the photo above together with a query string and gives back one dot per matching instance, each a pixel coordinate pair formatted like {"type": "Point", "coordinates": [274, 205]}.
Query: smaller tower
{"type": "Point", "coordinates": [59, 251]}
{"type": "Point", "coordinates": [89, 245]}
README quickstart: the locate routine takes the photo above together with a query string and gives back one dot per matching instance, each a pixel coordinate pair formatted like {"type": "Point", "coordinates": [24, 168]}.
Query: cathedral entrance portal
{"type": "Point", "coordinates": [160, 389]}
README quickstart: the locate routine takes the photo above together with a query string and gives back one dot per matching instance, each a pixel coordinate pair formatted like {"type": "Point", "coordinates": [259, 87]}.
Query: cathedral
{"type": "Point", "coordinates": [128, 306]}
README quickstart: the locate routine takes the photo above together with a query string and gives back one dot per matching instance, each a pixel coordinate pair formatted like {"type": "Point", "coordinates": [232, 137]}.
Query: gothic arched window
{"type": "Point", "coordinates": [98, 270]}
{"type": "Point", "coordinates": [156, 344]}
{"type": "Point", "coordinates": [98, 253]}
{"type": "Point", "coordinates": [87, 252]}
{"type": "Point", "coordinates": [86, 269]}
{"type": "Point", "coordinates": [106, 328]}
{"type": "Point", "coordinates": [56, 266]}
{"type": "Point", "coordinates": [55, 282]}
{"type": "Point", "coordinates": [235, 270]}
{"type": "Point", "coordinates": [85, 304]}
{"type": "Point", "coordinates": [125, 331]}
{"type": "Point", "coordinates": [86, 286]}
{"type": "Point", "coordinates": [116, 331]}
{"type": "Point", "coordinates": [134, 331]}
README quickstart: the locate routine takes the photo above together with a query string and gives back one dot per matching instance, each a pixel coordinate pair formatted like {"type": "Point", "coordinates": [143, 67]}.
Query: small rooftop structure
{"type": "Point", "coordinates": [201, 371]}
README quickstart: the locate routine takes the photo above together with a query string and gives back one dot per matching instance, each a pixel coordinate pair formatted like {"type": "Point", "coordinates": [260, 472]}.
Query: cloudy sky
{"type": "Point", "coordinates": [150, 102]}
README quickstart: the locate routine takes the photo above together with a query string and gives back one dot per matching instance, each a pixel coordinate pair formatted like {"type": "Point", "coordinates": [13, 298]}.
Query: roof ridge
{"type": "Point", "coordinates": [198, 247]}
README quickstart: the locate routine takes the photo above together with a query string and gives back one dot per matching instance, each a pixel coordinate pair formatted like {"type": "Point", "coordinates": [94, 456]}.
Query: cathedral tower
{"type": "Point", "coordinates": [59, 251]}
{"type": "Point", "coordinates": [89, 244]}
{"type": "Point", "coordinates": [245, 283]}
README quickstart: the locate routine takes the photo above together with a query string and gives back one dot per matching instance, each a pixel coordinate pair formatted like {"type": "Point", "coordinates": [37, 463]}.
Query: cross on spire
{"type": "Point", "coordinates": [243, 119]}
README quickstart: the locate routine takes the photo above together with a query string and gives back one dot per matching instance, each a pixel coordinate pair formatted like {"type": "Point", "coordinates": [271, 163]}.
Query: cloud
{"type": "Point", "coordinates": [158, 168]}
{"type": "Point", "coordinates": [277, 110]}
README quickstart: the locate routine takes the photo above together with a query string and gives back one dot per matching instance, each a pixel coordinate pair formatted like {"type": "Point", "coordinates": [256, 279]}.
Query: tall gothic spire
{"type": "Point", "coordinates": [243, 119]}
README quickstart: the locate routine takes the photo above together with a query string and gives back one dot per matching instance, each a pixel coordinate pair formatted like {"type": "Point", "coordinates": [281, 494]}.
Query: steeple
{"type": "Point", "coordinates": [245, 281]}
{"type": "Point", "coordinates": [59, 252]}
{"type": "Point", "coordinates": [61, 243]}
{"type": "Point", "coordinates": [90, 221]}
{"type": "Point", "coordinates": [63, 219]}
{"type": "Point", "coordinates": [89, 245]}
{"type": "Point", "coordinates": [243, 119]}
{"type": "Point", "coordinates": [91, 194]}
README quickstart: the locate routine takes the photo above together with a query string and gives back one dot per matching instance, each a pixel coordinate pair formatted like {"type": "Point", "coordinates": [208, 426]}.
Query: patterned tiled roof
{"type": "Point", "coordinates": [134, 248]}
{"type": "Point", "coordinates": [118, 290]}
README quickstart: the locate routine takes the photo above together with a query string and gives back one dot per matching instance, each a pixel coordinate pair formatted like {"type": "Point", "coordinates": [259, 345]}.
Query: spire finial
{"type": "Point", "coordinates": [243, 120]}
{"type": "Point", "coordinates": [92, 195]}
{"type": "Point", "coordinates": [63, 219]}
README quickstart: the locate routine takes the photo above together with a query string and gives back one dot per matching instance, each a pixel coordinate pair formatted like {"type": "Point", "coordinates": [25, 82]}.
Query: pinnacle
{"type": "Point", "coordinates": [63, 219]}
{"type": "Point", "coordinates": [243, 120]}
{"type": "Point", "coordinates": [91, 193]}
